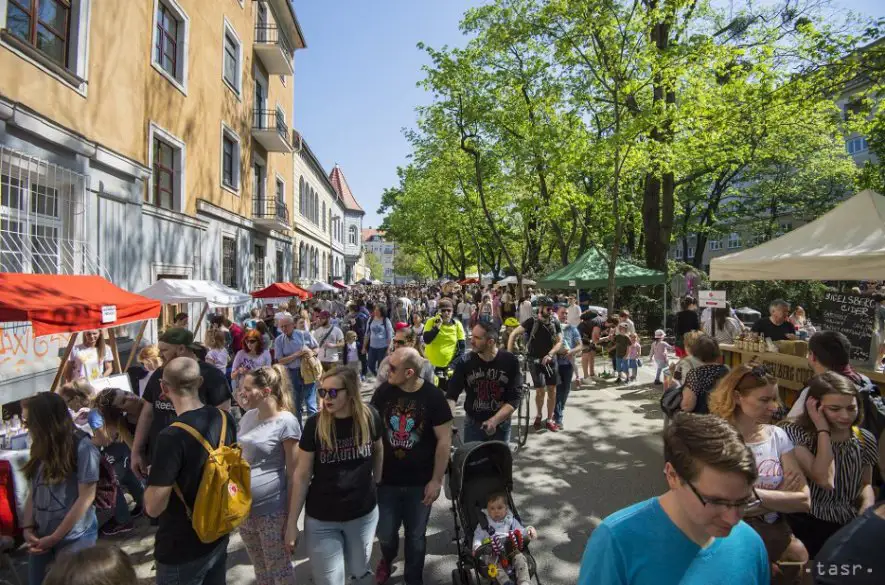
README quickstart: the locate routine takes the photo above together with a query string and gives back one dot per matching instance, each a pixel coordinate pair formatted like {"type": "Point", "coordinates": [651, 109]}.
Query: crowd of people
{"type": "Point", "coordinates": [754, 492]}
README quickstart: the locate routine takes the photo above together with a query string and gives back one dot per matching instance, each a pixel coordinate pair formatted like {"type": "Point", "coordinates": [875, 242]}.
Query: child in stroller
{"type": "Point", "coordinates": [499, 540]}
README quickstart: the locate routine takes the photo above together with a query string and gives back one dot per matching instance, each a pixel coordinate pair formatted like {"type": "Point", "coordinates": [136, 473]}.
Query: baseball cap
{"type": "Point", "coordinates": [178, 336]}
{"type": "Point", "coordinates": [659, 334]}
{"type": "Point", "coordinates": [325, 314]}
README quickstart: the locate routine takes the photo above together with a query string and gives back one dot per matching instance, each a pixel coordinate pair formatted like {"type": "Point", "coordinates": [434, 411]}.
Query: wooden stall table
{"type": "Point", "coordinates": [792, 371]}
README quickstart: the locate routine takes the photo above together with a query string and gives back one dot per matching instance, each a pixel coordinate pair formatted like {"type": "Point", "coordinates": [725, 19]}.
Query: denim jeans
{"type": "Point", "coordinates": [661, 366]}
{"type": "Point", "coordinates": [340, 551]}
{"type": "Point", "coordinates": [210, 569]}
{"type": "Point", "coordinates": [303, 394]}
{"type": "Point", "coordinates": [473, 431]}
{"type": "Point", "coordinates": [376, 355]}
{"type": "Point", "coordinates": [402, 505]}
{"type": "Point", "coordinates": [562, 390]}
{"type": "Point", "coordinates": [38, 564]}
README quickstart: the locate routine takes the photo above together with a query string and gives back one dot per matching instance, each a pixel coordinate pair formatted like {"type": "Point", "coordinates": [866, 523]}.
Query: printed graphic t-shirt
{"type": "Point", "coordinates": [86, 362]}
{"type": "Point", "coordinates": [489, 385]}
{"type": "Point", "coordinates": [343, 485]}
{"type": "Point", "coordinates": [409, 437]}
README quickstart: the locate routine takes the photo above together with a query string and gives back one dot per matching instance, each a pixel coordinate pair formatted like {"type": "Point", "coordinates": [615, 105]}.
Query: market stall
{"type": "Point", "coordinates": [319, 287]}
{"type": "Point", "coordinates": [281, 291]}
{"type": "Point", "coordinates": [204, 294]}
{"type": "Point", "coordinates": [339, 284]}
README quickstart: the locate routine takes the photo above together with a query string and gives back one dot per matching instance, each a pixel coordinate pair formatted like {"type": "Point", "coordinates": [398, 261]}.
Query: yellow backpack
{"type": "Point", "coordinates": [224, 497]}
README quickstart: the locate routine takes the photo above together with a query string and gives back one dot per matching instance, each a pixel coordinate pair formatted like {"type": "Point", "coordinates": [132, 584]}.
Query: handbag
{"type": "Point", "coordinates": [311, 369]}
{"type": "Point", "coordinates": [671, 401]}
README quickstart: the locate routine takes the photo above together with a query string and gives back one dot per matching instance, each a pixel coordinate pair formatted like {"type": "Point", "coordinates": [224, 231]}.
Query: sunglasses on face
{"type": "Point", "coordinates": [330, 392]}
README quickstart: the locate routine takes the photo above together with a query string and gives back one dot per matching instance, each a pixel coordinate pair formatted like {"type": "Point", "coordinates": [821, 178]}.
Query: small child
{"type": "Point", "coordinates": [351, 353]}
{"type": "Point", "coordinates": [622, 346]}
{"type": "Point", "coordinates": [217, 355]}
{"type": "Point", "coordinates": [506, 539]}
{"type": "Point", "coordinates": [659, 350]}
{"type": "Point", "coordinates": [633, 353]}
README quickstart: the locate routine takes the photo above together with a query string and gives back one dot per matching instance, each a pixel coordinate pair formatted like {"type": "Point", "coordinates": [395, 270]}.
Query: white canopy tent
{"type": "Point", "coordinates": [846, 243]}
{"type": "Point", "coordinates": [209, 294]}
{"type": "Point", "coordinates": [319, 287]}
{"type": "Point", "coordinates": [513, 280]}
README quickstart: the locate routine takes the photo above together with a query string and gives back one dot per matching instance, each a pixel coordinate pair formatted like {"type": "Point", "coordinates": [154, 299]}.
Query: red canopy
{"type": "Point", "coordinates": [469, 281]}
{"type": "Point", "coordinates": [339, 284]}
{"type": "Point", "coordinates": [68, 304]}
{"type": "Point", "coordinates": [282, 290]}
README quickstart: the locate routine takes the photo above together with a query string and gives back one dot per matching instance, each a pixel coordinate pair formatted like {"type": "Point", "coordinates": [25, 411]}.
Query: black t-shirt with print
{"type": "Point", "coordinates": [409, 437]}
{"type": "Point", "coordinates": [179, 459]}
{"type": "Point", "coordinates": [772, 331]}
{"type": "Point", "coordinates": [489, 385]}
{"type": "Point", "coordinates": [702, 380]}
{"type": "Point", "coordinates": [544, 338]}
{"type": "Point", "coordinates": [214, 391]}
{"type": "Point", "coordinates": [343, 486]}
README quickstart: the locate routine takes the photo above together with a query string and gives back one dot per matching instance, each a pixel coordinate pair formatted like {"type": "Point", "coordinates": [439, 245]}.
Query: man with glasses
{"type": "Point", "coordinates": [490, 379]}
{"type": "Point", "coordinates": [293, 344]}
{"type": "Point", "coordinates": [417, 444]}
{"type": "Point", "coordinates": [693, 534]}
{"type": "Point", "coordinates": [444, 340]}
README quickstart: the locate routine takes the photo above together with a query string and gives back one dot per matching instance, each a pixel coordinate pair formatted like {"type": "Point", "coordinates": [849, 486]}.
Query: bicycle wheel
{"type": "Point", "coordinates": [524, 416]}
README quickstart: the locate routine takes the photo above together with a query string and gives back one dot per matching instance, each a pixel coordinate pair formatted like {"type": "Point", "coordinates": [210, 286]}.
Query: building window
{"type": "Point", "coordinates": [164, 174]}
{"type": "Point", "coordinates": [856, 145]}
{"type": "Point", "coordinates": [351, 235]}
{"type": "Point", "coordinates": [228, 163]}
{"type": "Point", "coordinates": [734, 241]}
{"type": "Point", "coordinates": [170, 42]}
{"type": "Point", "coordinates": [31, 221]}
{"type": "Point", "coordinates": [258, 267]}
{"type": "Point", "coordinates": [324, 216]}
{"type": "Point", "coordinates": [233, 57]}
{"type": "Point", "coordinates": [281, 267]}
{"type": "Point", "coordinates": [229, 262]}
{"type": "Point", "coordinates": [678, 253]}
{"type": "Point", "coordinates": [715, 245]}
{"type": "Point", "coordinates": [44, 24]}
{"type": "Point", "coordinates": [301, 195]}
{"type": "Point", "coordinates": [690, 252]}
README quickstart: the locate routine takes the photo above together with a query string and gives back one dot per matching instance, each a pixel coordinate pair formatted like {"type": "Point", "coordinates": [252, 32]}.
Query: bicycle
{"type": "Point", "coordinates": [523, 411]}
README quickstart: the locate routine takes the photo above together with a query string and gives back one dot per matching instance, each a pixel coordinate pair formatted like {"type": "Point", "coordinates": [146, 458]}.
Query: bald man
{"type": "Point", "coordinates": [178, 460]}
{"type": "Point", "coordinates": [417, 443]}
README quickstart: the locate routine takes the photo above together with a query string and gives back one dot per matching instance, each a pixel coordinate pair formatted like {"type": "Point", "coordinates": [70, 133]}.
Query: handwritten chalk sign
{"type": "Point", "coordinates": [854, 316]}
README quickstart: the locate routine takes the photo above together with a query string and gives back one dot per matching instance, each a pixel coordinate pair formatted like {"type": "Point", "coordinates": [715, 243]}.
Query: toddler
{"type": "Point", "coordinates": [217, 354]}
{"type": "Point", "coordinates": [351, 353]}
{"type": "Point", "coordinates": [500, 545]}
{"type": "Point", "coordinates": [633, 353]}
{"type": "Point", "coordinates": [622, 347]}
{"type": "Point", "coordinates": [659, 350]}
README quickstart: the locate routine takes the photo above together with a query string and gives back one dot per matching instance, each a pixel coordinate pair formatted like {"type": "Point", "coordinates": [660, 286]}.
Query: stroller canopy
{"type": "Point", "coordinates": [481, 460]}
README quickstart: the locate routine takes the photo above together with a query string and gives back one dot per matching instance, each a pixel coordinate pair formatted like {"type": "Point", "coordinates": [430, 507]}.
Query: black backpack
{"type": "Point", "coordinates": [873, 410]}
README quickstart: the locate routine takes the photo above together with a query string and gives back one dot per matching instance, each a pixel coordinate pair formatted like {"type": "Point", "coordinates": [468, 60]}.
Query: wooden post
{"type": "Point", "coordinates": [112, 340]}
{"type": "Point", "coordinates": [200, 320]}
{"type": "Point", "coordinates": [135, 345]}
{"type": "Point", "coordinates": [64, 361]}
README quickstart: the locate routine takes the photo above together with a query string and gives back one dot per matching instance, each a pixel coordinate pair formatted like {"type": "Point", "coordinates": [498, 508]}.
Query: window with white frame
{"type": "Point", "coordinates": [233, 59]}
{"type": "Point", "coordinates": [30, 222]}
{"type": "Point", "coordinates": [230, 158]}
{"type": "Point", "coordinates": [715, 244]}
{"type": "Point", "coordinates": [169, 52]}
{"type": "Point", "coordinates": [351, 235]}
{"type": "Point", "coordinates": [167, 162]}
{"type": "Point", "coordinates": [734, 240]}
{"type": "Point", "coordinates": [258, 266]}
{"type": "Point", "coordinates": [856, 145]}
{"type": "Point", "coordinates": [229, 262]}
{"type": "Point", "coordinates": [691, 252]}
{"type": "Point", "coordinates": [678, 252]}
{"type": "Point", "coordinates": [43, 24]}
{"type": "Point", "coordinates": [324, 216]}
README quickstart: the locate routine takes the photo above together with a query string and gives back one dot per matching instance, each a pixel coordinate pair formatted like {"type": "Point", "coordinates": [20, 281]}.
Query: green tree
{"type": "Point", "coordinates": [375, 266]}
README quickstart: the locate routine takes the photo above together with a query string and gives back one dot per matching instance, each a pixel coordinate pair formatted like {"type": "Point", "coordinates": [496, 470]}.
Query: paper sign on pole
{"type": "Point", "coordinates": [109, 313]}
{"type": "Point", "coordinates": [712, 298]}
{"type": "Point", "coordinates": [572, 284]}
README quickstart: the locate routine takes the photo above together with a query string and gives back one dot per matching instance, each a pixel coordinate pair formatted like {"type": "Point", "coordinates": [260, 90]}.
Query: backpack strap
{"type": "Point", "coordinates": [856, 430]}
{"type": "Point", "coordinates": [206, 445]}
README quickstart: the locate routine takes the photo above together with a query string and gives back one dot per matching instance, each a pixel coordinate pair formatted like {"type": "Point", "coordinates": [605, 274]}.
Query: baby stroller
{"type": "Point", "coordinates": [476, 471]}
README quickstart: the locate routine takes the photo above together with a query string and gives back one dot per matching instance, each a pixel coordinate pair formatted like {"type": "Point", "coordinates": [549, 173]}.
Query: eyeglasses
{"type": "Point", "coordinates": [330, 392]}
{"type": "Point", "coordinates": [746, 504]}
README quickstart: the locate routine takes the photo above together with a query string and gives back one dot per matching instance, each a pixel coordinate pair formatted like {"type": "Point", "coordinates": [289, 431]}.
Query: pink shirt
{"type": "Point", "coordinates": [633, 351]}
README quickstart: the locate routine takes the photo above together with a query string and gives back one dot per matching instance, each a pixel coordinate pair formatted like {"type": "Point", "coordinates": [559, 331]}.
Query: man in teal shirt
{"type": "Point", "coordinates": [693, 534]}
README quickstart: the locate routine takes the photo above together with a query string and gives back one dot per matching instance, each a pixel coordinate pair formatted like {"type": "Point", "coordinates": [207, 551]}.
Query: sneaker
{"type": "Point", "coordinates": [559, 426]}
{"type": "Point", "coordinates": [538, 424]}
{"type": "Point", "coordinates": [382, 572]}
{"type": "Point", "coordinates": [658, 383]}
{"type": "Point", "coordinates": [113, 529]}
{"type": "Point", "coordinates": [552, 426]}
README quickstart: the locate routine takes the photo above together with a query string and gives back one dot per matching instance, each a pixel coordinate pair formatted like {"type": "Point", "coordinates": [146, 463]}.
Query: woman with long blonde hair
{"type": "Point", "coordinates": [339, 463]}
{"type": "Point", "coordinates": [269, 434]}
{"type": "Point", "coordinates": [747, 398]}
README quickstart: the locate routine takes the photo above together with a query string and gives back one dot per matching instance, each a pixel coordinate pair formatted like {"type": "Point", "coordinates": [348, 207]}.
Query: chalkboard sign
{"type": "Point", "coordinates": [854, 316]}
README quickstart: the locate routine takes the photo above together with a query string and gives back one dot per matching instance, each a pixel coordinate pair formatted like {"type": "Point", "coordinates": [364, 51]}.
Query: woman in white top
{"type": "Point", "coordinates": [747, 398]}
{"type": "Point", "coordinates": [84, 361]}
{"type": "Point", "coordinates": [727, 328]}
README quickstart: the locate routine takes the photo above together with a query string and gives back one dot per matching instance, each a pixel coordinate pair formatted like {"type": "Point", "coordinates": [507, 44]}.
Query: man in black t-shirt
{"type": "Point", "coordinates": [178, 461]}
{"type": "Point", "coordinates": [852, 556]}
{"type": "Point", "coordinates": [544, 340]}
{"type": "Point", "coordinates": [417, 444]}
{"type": "Point", "coordinates": [776, 327]}
{"type": "Point", "coordinates": [158, 411]}
{"type": "Point", "coordinates": [490, 378]}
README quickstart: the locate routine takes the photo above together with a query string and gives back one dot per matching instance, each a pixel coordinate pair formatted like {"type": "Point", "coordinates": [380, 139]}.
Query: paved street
{"type": "Point", "coordinates": [608, 456]}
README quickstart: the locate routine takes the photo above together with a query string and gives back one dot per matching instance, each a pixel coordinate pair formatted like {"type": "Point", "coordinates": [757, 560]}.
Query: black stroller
{"type": "Point", "coordinates": [477, 470]}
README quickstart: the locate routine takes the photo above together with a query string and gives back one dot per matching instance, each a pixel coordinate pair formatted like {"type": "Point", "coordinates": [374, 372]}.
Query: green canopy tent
{"type": "Point", "coordinates": [590, 271]}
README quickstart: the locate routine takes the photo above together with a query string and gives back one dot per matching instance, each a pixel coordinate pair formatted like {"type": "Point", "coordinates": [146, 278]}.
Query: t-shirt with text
{"type": "Point", "coordinates": [489, 385]}
{"type": "Point", "coordinates": [409, 436]}
{"type": "Point", "coordinates": [343, 484]}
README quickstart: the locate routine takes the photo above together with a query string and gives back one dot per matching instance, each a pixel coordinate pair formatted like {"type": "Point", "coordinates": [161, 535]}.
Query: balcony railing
{"type": "Point", "coordinates": [270, 129]}
{"type": "Point", "coordinates": [269, 34]}
{"type": "Point", "coordinates": [270, 209]}
{"type": "Point", "coordinates": [273, 49]}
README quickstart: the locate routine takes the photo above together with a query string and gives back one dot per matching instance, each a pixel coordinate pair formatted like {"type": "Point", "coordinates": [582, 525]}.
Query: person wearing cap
{"type": "Point", "coordinates": [330, 339]}
{"type": "Point", "coordinates": [544, 342]}
{"type": "Point", "coordinates": [659, 350]}
{"type": "Point", "coordinates": [158, 411]}
{"type": "Point", "coordinates": [444, 339]}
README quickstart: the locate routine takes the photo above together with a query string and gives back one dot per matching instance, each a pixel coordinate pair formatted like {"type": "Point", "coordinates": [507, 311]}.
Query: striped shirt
{"type": "Point", "coordinates": [851, 456]}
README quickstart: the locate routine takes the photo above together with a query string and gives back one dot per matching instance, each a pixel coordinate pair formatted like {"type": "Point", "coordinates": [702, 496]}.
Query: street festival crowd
{"type": "Point", "coordinates": [265, 420]}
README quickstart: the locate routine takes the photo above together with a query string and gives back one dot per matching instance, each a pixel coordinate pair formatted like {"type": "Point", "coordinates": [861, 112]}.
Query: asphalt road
{"type": "Point", "coordinates": [608, 456]}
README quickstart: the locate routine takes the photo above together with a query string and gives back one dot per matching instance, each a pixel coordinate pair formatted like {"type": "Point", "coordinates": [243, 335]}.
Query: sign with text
{"type": "Point", "coordinates": [108, 313]}
{"type": "Point", "coordinates": [852, 315]}
{"type": "Point", "coordinates": [572, 283]}
{"type": "Point", "coordinates": [712, 298]}
{"type": "Point", "coordinates": [22, 354]}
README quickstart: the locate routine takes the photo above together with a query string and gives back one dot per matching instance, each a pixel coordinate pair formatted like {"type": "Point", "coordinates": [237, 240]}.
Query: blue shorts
{"type": "Point", "coordinates": [623, 365]}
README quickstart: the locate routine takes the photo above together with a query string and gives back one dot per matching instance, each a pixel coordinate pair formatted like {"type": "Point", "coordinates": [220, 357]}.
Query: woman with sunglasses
{"type": "Point", "coordinates": [251, 357]}
{"type": "Point", "coordinates": [836, 456]}
{"type": "Point", "coordinates": [747, 398]}
{"type": "Point", "coordinates": [268, 434]}
{"type": "Point", "coordinates": [339, 463]}
{"type": "Point", "coordinates": [63, 474]}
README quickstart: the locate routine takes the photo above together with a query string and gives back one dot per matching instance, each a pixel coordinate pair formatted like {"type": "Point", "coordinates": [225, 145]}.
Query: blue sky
{"type": "Point", "coordinates": [355, 83]}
